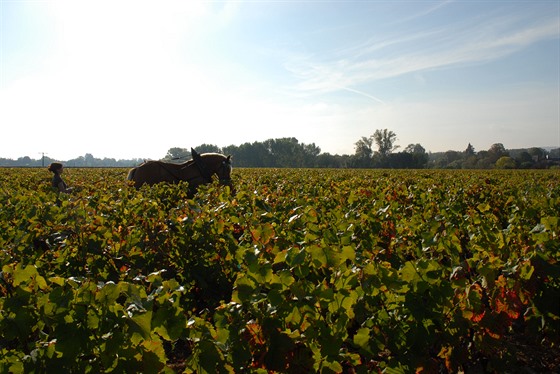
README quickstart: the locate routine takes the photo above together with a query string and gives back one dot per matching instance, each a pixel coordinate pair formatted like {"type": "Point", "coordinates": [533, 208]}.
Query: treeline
{"type": "Point", "coordinates": [376, 151]}
{"type": "Point", "coordinates": [83, 161]}
{"type": "Point", "coordinates": [288, 152]}
{"type": "Point", "coordinates": [273, 153]}
{"type": "Point", "coordinates": [497, 157]}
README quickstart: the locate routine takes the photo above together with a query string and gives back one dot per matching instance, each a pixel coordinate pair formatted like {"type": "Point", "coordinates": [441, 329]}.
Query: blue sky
{"type": "Point", "coordinates": [128, 79]}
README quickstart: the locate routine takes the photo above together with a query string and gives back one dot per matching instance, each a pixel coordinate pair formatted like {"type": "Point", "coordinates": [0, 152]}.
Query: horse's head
{"type": "Point", "coordinates": [210, 164]}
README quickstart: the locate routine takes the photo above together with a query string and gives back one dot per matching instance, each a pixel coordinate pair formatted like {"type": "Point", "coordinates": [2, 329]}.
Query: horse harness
{"type": "Point", "coordinates": [202, 169]}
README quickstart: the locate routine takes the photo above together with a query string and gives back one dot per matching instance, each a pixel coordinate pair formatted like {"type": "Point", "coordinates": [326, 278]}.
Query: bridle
{"type": "Point", "coordinates": [226, 164]}
{"type": "Point", "coordinates": [223, 171]}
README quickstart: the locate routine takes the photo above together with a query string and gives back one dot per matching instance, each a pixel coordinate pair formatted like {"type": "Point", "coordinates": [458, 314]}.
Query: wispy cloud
{"type": "Point", "coordinates": [453, 45]}
{"type": "Point", "coordinates": [425, 12]}
{"type": "Point", "coordinates": [374, 98]}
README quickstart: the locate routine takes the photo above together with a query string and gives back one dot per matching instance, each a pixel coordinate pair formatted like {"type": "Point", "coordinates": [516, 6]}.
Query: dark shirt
{"type": "Point", "coordinates": [56, 181]}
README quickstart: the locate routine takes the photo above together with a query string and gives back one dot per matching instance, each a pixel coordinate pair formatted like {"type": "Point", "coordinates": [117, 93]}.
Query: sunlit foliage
{"type": "Point", "coordinates": [300, 271]}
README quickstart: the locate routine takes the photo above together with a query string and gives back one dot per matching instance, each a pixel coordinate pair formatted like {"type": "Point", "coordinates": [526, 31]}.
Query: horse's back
{"type": "Point", "coordinates": [153, 172]}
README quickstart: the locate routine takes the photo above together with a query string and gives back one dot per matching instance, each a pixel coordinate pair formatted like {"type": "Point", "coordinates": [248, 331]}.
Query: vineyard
{"type": "Point", "coordinates": [331, 271]}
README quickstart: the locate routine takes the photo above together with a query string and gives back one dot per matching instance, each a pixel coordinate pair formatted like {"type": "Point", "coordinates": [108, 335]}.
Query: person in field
{"type": "Point", "coordinates": [57, 182]}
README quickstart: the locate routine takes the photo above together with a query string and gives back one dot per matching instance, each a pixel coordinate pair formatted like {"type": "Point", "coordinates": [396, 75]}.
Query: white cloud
{"type": "Point", "coordinates": [465, 44]}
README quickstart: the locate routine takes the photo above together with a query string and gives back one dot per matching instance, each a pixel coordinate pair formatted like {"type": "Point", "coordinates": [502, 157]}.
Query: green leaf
{"type": "Point", "coordinates": [409, 273]}
{"type": "Point", "coordinates": [361, 338]}
{"type": "Point", "coordinates": [280, 257]}
{"type": "Point", "coordinates": [318, 255]}
{"type": "Point", "coordinates": [244, 289]}
{"type": "Point", "coordinates": [92, 320]}
{"type": "Point", "coordinates": [550, 223]}
{"type": "Point", "coordinates": [207, 357]}
{"type": "Point", "coordinates": [24, 275]}
{"type": "Point", "coordinates": [263, 233]}
{"type": "Point", "coordinates": [331, 367]}
{"type": "Point", "coordinates": [108, 294]}
{"type": "Point", "coordinates": [153, 356]}
{"type": "Point", "coordinates": [57, 280]}
{"type": "Point", "coordinates": [261, 273]}
{"type": "Point", "coordinates": [526, 270]}
{"type": "Point", "coordinates": [348, 253]}
{"type": "Point", "coordinates": [294, 317]}
{"type": "Point", "coordinates": [483, 207]}
{"type": "Point", "coordinates": [140, 323]}
{"type": "Point", "coordinates": [329, 237]}
{"type": "Point", "coordinates": [286, 277]}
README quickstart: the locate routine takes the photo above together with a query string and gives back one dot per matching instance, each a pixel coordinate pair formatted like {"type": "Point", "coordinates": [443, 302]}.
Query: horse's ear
{"type": "Point", "coordinates": [197, 158]}
{"type": "Point", "coordinates": [194, 153]}
{"type": "Point", "coordinates": [228, 158]}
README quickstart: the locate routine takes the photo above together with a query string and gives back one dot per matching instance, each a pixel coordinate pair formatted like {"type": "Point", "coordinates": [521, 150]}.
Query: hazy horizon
{"type": "Point", "coordinates": [101, 157]}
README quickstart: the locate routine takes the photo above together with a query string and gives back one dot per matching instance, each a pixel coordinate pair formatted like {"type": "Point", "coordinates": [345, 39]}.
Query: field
{"type": "Point", "coordinates": [328, 271]}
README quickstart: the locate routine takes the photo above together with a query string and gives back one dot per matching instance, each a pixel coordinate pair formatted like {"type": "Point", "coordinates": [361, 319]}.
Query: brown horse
{"type": "Point", "coordinates": [197, 171]}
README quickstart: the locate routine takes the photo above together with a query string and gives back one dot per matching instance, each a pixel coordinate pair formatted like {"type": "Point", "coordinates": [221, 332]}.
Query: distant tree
{"type": "Point", "coordinates": [483, 160]}
{"type": "Point", "coordinates": [451, 156]}
{"type": "Point", "coordinates": [469, 151]}
{"type": "Point", "coordinates": [282, 152]}
{"type": "Point", "coordinates": [89, 160]}
{"type": "Point", "coordinates": [385, 140]}
{"type": "Point", "coordinates": [495, 152]}
{"type": "Point", "coordinates": [537, 154]}
{"type": "Point", "coordinates": [414, 148]}
{"type": "Point", "coordinates": [261, 156]}
{"type": "Point", "coordinates": [287, 152]}
{"type": "Point", "coordinates": [458, 164]}
{"type": "Point", "coordinates": [524, 160]}
{"type": "Point", "coordinates": [554, 153]}
{"type": "Point", "coordinates": [237, 153]}
{"type": "Point", "coordinates": [311, 150]}
{"type": "Point", "coordinates": [208, 148]}
{"type": "Point", "coordinates": [419, 156]}
{"type": "Point", "coordinates": [505, 162]}
{"type": "Point", "coordinates": [176, 153]}
{"type": "Point", "coordinates": [470, 162]}
{"type": "Point", "coordinates": [183, 154]}
{"type": "Point", "coordinates": [106, 162]}
{"type": "Point", "coordinates": [363, 152]}
{"type": "Point", "coordinates": [25, 161]}
{"type": "Point", "coordinates": [400, 160]}
{"type": "Point", "coordinates": [249, 155]}
{"type": "Point", "coordinates": [326, 160]}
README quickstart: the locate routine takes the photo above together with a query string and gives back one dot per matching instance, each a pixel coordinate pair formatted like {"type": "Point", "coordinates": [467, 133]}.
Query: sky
{"type": "Point", "coordinates": [132, 79]}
